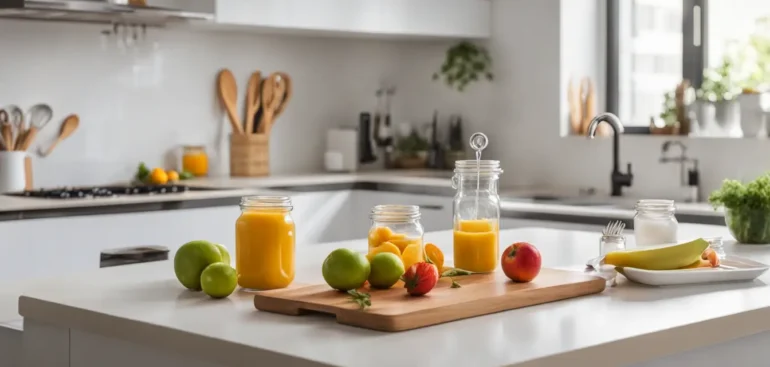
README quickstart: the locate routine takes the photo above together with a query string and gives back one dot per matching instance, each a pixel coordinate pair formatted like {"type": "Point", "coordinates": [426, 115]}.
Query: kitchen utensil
{"type": "Point", "coordinates": [365, 150]}
{"type": "Point", "coordinates": [6, 130]}
{"type": "Point", "coordinates": [733, 268]}
{"type": "Point", "coordinates": [575, 108]}
{"type": "Point", "coordinates": [16, 118]}
{"type": "Point", "coordinates": [614, 228]}
{"type": "Point", "coordinates": [481, 294]}
{"type": "Point", "coordinates": [39, 116]}
{"type": "Point", "coordinates": [252, 100]}
{"type": "Point", "coordinates": [228, 95]}
{"type": "Point", "coordinates": [288, 92]}
{"type": "Point", "coordinates": [68, 127]}
{"type": "Point", "coordinates": [273, 91]}
{"type": "Point", "coordinates": [12, 171]}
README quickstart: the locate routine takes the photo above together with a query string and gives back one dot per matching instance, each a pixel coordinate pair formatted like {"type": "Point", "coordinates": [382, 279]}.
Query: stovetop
{"type": "Point", "coordinates": [102, 191]}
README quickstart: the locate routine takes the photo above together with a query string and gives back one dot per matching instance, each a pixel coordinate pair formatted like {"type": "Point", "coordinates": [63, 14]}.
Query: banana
{"type": "Point", "coordinates": [659, 258]}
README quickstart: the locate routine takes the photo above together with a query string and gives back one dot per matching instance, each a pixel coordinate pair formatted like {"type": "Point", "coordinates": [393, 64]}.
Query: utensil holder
{"type": "Point", "coordinates": [12, 171]}
{"type": "Point", "coordinates": [249, 155]}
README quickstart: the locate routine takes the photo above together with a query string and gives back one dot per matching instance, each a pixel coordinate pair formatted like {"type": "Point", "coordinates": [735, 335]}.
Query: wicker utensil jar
{"type": "Point", "coordinates": [249, 155]}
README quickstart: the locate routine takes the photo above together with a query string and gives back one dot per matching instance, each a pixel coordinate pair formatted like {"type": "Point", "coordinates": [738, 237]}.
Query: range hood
{"type": "Point", "coordinates": [154, 12]}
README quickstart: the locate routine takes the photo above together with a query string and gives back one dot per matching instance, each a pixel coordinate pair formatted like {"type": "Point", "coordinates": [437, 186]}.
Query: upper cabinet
{"type": "Point", "coordinates": [452, 19]}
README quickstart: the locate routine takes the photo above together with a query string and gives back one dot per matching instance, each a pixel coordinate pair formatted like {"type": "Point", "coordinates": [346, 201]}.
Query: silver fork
{"type": "Point", "coordinates": [614, 228]}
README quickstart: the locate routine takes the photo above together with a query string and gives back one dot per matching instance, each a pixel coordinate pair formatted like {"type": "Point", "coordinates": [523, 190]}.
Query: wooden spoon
{"type": "Point", "coordinates": [252, 100]}
{"type": "Point", "coordinates": [287, 95]}
{"type": "Point", "coordinates": [228, 94]}
{"type": "Point", "coordinates": [68, 127]}
{"type": "Point", "coordinates": [273, 92]}
{"type": "Point", "coordinates": [6, 130]}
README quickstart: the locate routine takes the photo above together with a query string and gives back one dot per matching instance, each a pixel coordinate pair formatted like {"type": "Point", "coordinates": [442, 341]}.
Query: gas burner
{"type": "Point", "coordinates": [102, 192]}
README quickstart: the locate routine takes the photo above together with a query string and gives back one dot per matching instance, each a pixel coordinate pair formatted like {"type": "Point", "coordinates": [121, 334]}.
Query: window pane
{"type": "Point", "coordinates": [739, 30]}
{"type": "Point", "coordinates": [650, 57]}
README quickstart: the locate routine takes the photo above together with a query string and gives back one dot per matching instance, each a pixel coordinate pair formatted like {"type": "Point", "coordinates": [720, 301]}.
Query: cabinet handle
{"type": "Point", "coordinates": [431, 207]}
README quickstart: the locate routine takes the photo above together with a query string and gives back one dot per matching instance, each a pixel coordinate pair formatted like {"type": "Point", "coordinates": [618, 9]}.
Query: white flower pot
{"type": "Point", "coordinates": [727, 115]}
{"type": "Point", "coordinates": [752, 113]}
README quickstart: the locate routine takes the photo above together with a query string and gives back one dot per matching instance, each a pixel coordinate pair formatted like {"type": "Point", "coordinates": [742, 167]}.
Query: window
{"type": "Point", "coordinates": [654, 44]}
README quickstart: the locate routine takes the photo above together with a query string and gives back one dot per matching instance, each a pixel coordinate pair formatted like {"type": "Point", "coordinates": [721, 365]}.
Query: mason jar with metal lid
{"type": "Point", "coordinates": [476, 209]}
{"type": "Point", "coordinates": [397, 229]}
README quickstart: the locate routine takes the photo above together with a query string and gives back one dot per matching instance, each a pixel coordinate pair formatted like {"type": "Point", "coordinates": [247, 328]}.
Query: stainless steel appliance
{"type": "Point", "coordinates": [156, 12]}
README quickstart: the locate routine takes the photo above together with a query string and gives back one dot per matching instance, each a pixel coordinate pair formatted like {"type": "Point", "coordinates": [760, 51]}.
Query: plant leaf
{"type": "Point", "coordinates": [455, 284]}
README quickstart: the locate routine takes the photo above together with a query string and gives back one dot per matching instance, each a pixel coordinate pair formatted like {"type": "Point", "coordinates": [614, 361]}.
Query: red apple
{"type": "Point", "coordinates": [521, 262]}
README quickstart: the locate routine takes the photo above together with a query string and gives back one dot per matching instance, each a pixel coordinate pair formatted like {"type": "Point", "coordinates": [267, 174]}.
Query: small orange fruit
{"type": "Point", "coordinates": [158, 176]}
{"type": "Point", "coordinates": [173, 176]}
{"type": "Point", "coordinates": [434, 254]}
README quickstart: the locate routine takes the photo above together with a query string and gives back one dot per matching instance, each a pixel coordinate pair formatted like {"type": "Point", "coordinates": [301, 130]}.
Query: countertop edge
{"type": "Point", "coordinates": [159, 337]}
{"type": "Point", "coordinates": [626, 351]}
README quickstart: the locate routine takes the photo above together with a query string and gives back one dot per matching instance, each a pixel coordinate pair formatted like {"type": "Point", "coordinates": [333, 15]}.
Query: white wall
{"type": "Point", "coordinates": [139, 106]}
{"type": "Point", "coordinates": [537, 46]}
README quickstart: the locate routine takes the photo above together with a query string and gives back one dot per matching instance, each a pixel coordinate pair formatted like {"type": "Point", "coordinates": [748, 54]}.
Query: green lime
{"type": "Point", "coordinates": [219, 280]}
{"type": "Point", "coordinates": [225, 254]}
{"type": "Point", "coordinates": [345, 269]}
{"type": "Point", "coordinates": [191, 259]}
{"type": "Point", "coordinates": [387, 269]}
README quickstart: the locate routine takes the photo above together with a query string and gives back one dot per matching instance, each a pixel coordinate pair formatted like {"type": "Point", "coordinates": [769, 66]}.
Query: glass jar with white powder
{"type": "Point", "coordinates": [655, 223]}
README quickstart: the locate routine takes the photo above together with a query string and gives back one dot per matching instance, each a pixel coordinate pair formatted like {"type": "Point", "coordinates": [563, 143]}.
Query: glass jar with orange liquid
{"type": "Point", "coordinates": [397, 229]}
{"type": "Point", "coordinates": [476, 211]}
{"type": "Point", "coordinates": [195, 160]}
{"type": "Point", "coordinates": [264, 243]}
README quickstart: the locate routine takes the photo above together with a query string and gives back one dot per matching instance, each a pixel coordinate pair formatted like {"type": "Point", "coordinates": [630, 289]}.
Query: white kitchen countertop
{"type": "Point", "coordinates": [618, 208]}
{"type": "Point", "coordinates": [625, 324]}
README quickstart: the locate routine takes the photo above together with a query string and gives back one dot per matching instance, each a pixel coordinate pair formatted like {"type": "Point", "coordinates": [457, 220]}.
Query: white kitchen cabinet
{"type": "Point", "coordinates": [49, 247]}
{"type": "Point", "coordinates": [436, 211]}
{"type": "Point", "coordinates": [453, 19]}
{"type": "Point", "coordinates": [511, 223]}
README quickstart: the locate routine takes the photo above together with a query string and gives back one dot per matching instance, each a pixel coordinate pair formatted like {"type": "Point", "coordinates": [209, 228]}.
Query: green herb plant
{"type": "Point", "coordinates": [411, 145]}
{"type": "Point", "coordinates": [747, 208]}
{"type": "Point", "coordinates": [669, 114]}
{"type": "Point", "coordinates": [465, 63]}
{"type": "Point", "coordinates": [720, 83]}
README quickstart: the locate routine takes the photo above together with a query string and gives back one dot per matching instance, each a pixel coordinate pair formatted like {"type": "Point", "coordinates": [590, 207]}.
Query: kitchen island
{"type": "Point", "coordinates": [140, 315]}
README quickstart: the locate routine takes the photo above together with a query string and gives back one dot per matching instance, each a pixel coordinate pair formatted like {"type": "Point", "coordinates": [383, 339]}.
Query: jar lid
{"type": "Point", "coordinates": [655, 205]}
{"type": "Point", "coordinates": [266, 202]}
{"type": "Point", "coordinates": [473, 166]}
{"type": "Point", "coordinates": [395, 213]}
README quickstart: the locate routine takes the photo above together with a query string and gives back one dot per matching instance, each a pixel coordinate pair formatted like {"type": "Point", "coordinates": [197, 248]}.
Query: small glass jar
{"type": "Point", "coordinates": [397, 229]}
{"type": "Point", "coordinates": [655, 223]}
{"type": "Point", "coordinates": [476, 209]}
{"type": "Point", "coordinates": [264, 243]}
{"type": "Point", "coordinates": [195, 160]}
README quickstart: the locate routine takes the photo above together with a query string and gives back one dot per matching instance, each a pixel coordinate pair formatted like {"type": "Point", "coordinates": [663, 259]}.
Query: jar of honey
{"type": "Point", "coordinates": [397, 229]}
{"type": "Point", "coordinates": [476, 210]}
{"type": "Point", "coordinates": [264, 243]}
{"type": "Point", "coordinates": [195, 160]}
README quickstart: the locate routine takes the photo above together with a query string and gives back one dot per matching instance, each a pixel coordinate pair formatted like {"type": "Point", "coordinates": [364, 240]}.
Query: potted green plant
{"type": "Point", "coordinates": [412, 151]}
{"type": "Point", "coordinates": [668, 121]}
{"type": "Point", "coordinates": [720, 88]}
{"type": "Point", "coordinates": [465, 62]}
{"type": "Point", "coordinates": [747, 209]}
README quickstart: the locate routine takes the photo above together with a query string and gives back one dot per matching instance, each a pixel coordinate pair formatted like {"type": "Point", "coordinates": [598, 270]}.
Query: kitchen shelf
{"type": "Point", "coordinates": [393, 19]}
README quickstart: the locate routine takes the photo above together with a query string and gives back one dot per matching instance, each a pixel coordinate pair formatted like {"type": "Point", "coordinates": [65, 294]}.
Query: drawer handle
{"type": "Point", "coordinates": [431, 207]}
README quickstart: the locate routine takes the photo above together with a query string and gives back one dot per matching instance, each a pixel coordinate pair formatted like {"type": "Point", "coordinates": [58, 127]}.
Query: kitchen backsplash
{"type": "Point", "coordinates": [142, 103]}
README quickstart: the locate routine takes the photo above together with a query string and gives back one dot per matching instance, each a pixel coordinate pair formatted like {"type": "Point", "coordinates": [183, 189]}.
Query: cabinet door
{"type": "Point", "coordinates": [49, 247]}
{"type": "Point", "coordinates": [436, 210]}
{"type": "Point", "coordinates": [510, 223]}
{"type": "Point", "coordinates": [323, 217]}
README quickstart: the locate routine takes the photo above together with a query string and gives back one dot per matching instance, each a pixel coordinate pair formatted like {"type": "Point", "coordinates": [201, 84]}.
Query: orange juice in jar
{"type": "Point", "coordinates": [264, 243]}
{"type": "Point", "coordinates": [476, 209]}
{"type": "Point", "coordinates": [195, 160]}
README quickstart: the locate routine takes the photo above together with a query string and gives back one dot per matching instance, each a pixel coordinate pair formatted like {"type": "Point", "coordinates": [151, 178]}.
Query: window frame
{"type": "Point", "coordinates": [694, 54]}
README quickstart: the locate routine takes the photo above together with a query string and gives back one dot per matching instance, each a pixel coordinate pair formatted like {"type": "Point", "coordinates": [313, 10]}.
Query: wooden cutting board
{"type": "Point", "coordinates": [394, 310]}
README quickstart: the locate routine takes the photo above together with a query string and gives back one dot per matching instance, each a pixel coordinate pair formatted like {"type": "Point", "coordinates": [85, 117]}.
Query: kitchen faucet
{"type": "Point", "coordinates": [687, 178]}
{"type": "Point", "coordinates": [619, 179]}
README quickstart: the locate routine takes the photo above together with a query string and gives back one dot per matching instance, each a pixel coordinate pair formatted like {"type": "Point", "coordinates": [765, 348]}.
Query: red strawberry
{"type": "Point", "coordinates": [420, 278]}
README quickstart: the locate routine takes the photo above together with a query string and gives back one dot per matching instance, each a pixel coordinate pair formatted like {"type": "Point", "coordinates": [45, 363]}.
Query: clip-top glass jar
{"type": "Point", "coordinates": [476, 210]}
{"type": "Point", "coordinates": [397, 229]}
{"type": "Point", "coordinates": [264, 243]}
{"type": "Point", "coordinates": [655, 223]}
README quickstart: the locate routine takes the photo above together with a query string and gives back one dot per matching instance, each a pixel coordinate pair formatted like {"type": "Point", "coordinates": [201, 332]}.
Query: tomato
{"type": "Point", "coordinates": [420, 278]}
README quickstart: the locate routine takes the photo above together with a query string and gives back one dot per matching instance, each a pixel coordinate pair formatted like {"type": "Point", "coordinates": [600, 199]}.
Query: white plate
{"type": "Point", "coordinates": [733, 268]}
